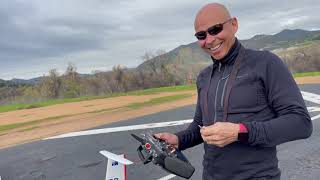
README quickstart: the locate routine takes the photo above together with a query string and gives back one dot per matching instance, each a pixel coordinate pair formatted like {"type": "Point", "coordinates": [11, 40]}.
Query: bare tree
{"type": "Point", "coordinates": [71, 85]}
{"type": "Point", "coordinates": [50, 85]}
{"type": "Point", "coordinates": [150, 55]}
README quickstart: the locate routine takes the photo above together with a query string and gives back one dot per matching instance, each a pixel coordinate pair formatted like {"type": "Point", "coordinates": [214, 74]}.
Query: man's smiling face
{"type": "Point", "coordinates": [216, 45]}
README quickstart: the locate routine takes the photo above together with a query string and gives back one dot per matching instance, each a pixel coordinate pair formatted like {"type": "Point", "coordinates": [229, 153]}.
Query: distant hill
{"type": "Point", "coordinates": [284, 39]}
{"type": "Point", "coordinates": [303, 57]}
{"type": "Point", "coordinates": [4, 83]}
{"type": "Point", "coordinates": [27, 82]}
{"type": "Point", "coordinates": [191, 59]}
{"type": "Point", "coordinates": [17, 82]}
{"type": "Point", "coordinates": [33, 81]}
{"type": "Point", "coordinates": [180, 61]}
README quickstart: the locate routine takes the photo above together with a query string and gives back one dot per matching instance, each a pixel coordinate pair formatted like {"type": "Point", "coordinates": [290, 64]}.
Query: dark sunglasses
{"type": "Point", "coordinates": [213, 30]}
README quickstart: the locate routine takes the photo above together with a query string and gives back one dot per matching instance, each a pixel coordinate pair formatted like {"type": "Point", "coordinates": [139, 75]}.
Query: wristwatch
{"type": "Point", "coordinates": [243, 134]}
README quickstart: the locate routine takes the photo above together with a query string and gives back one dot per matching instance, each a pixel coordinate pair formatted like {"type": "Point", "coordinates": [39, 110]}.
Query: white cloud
{"type": "Point", "coordinates": [292, 21]}
{"type": "Point", "coordinates": [39, 35]}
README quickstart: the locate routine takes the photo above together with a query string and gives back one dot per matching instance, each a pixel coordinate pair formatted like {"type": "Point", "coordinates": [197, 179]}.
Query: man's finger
{"type": "Point", "coordinates": [208, 131]}
{"type": "Point", "coordinates": [205, 131]}
{"type": "Point", "coordinates": [159, 135]}
{"type": "Point", "coordinates": [216, 138]}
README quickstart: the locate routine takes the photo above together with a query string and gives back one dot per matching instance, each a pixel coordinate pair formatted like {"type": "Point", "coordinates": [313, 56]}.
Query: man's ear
{"type": "Point", "coordinates": [234, 24]}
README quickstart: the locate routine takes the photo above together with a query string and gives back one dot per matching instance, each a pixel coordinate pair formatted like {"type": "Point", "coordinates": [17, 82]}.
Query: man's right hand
{"type": "Point", "coordinates": [169, 138]}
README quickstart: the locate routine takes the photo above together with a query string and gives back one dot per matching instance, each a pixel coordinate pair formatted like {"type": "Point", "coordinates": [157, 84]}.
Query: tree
{"type": "Point", "coordinates": [71, 82]}
{"type": "Point", "coordinates": [150, 55]}
{"type": "Point", "coordinates": [50, 85]}
{"type": "Point", "coordinates": [120, 78]}
{"type": "Point", "coordinates": [71, 72]}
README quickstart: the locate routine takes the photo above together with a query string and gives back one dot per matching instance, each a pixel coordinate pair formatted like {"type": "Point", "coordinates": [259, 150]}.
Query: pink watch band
{"type": "Point", "coordinates": [243, 128]}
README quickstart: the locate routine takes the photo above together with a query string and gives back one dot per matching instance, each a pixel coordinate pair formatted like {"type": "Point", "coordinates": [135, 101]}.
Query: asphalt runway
{"type": "Point", "coordinates": [78, 158]}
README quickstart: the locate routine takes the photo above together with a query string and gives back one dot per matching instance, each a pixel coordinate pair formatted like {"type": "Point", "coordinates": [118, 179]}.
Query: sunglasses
{"type": "Point", "coordinates": [213, 30]}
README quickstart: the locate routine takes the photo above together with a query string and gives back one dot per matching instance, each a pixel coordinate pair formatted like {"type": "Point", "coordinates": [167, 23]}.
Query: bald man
{"type": "Point", "coordinates": [248, 103]}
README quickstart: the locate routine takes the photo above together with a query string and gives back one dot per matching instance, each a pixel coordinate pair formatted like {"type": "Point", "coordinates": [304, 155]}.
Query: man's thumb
{"type": "Point", "coordinates": [158, 135]}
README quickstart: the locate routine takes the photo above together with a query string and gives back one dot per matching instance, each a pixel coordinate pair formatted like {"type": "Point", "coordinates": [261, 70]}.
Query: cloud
{"type": "Point", "coordinates": [38, 35]}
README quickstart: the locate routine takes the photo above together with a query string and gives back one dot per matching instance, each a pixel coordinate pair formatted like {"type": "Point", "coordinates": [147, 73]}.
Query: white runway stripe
{"type": "Point", "coordinates": [315, 98]}
{"type": "Point", "coordinates": [165, 178]}
{"type": "Point", "coordinates": [123, 128]}
{"type": "Point", "coordinates": [315, 117]}
{"type": "Point", "coordinates": [313, 109]}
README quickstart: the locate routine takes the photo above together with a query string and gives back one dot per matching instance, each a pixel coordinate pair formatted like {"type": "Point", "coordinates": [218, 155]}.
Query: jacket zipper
{"type": "Point", "coordinates": [215, 98]}
{"type": "Point", "coordinates": [224, 88]}
{"type": "Point", "coordinates": [215, 103]}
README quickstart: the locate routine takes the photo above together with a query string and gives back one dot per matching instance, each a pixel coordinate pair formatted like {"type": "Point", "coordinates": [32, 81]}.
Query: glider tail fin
{"type": "Point", "coordinates": [116, 167]}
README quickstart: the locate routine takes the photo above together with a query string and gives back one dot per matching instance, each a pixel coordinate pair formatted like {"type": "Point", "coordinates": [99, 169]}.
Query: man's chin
{"type": "Point", "coordinates": [218, 56]}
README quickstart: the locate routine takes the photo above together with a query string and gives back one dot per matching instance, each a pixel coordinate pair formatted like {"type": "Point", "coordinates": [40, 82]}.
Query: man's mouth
{"type": "Point", "coordinates": [215, 47]}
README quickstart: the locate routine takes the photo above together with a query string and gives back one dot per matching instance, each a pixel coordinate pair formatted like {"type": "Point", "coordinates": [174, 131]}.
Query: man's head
{"type": "Point", "coordinates": [217, 45]}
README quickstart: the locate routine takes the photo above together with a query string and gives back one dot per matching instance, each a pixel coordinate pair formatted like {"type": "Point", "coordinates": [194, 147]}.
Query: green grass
{"type": "Point", "coordinates": [158, 100]}
{"type": "Point", "coordinates": [12, 107]}
{"type": "Point", "coordinates": [163, 89]}
{"type": "Point", "coordinates": [306, 74]}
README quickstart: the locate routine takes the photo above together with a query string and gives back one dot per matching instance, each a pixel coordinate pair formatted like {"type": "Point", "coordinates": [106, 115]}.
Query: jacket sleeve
{"type": "Point", "coordinates": [292, 120]}
{"type": "Point", "coordinates": [191, 136]}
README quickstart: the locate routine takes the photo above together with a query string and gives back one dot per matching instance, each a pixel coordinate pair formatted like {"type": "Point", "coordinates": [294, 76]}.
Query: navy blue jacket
{"type": "Point", "coordinates": [265, 98]}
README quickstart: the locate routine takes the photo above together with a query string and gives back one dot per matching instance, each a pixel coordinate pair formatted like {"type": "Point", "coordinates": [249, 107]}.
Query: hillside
{"type": "Point", "coordinates": [303, 57]}
{"type": "Point", "coordinates": [183, 61]}
{"type": "Point", "coordinates": [283, 39]}
{"type": "Point", "coordinates": [190, 59]}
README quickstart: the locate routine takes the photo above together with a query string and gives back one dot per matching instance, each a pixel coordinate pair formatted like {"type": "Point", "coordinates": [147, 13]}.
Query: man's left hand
{"type": "Point", "coordinates": [220, 133]}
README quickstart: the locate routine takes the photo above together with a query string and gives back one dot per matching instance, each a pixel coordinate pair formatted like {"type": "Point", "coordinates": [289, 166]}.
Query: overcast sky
{"type": "Point", "coordinates": [39, 35]}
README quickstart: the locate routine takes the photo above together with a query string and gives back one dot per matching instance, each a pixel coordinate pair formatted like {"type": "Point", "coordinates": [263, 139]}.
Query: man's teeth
{"type": "Point", "coordinates": [216, 47]}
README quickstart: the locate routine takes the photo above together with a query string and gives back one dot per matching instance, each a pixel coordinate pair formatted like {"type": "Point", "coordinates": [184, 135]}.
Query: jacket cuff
{"type": "Point", "coordinates": [181, 139]}
{"type": "Point", "coordinates": [249, 128]}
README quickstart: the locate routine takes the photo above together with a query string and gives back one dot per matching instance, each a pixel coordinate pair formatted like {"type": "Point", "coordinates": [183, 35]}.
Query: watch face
{"type": "Point", "coordinates": [243, 137]}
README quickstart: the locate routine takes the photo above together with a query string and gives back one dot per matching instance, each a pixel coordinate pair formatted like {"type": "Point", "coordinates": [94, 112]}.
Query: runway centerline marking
{"type": "Point", "coordinates": [165, 178]}
{"type": "Point", "coordinates": [315, 98]}
{"type": "Point", "coordinates": [314, 109]}
{"type": "Point", "coordinates": [315, 117]}
{"type": "Point", "coordinates": [123, 128]}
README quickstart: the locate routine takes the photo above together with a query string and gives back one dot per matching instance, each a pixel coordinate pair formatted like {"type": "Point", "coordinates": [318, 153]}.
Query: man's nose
{"type": "Point", "coordinates": [209, 39]}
